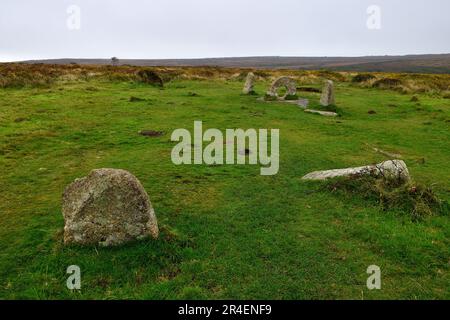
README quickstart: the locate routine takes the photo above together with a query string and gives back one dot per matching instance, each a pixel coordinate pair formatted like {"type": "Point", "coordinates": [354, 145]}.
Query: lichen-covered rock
{"type": "Point", "coordinates": [391, 170]}
{"type": "Point", "coordinates": [327, 97]}
{"type": "Point", "coordinates": [108, 207]}
{"type": "Point", "coordinates": [249, 84]}
{"type": "Point", "coordinates": [286, 82]}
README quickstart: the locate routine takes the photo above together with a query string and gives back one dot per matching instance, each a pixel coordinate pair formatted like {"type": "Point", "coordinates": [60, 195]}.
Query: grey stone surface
{"type": "Point", "coordinates": [249, 84]}
{"type": "Point", "coordinates": [327, 97]}
{"type": "Point", "coordinates": [108, 207]}
{"type": "Point", "coordinates": [391, 169]}
{"type": "Point", "coordinates": [289, 83]}
{"type": "Point", "coordinates": [322, 113]}
{"type": "Point", "coordinates": [303, 103]}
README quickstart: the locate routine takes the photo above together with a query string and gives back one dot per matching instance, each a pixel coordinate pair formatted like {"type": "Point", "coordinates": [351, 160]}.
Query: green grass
{"type": "Point", "coordinates": [226, 231]}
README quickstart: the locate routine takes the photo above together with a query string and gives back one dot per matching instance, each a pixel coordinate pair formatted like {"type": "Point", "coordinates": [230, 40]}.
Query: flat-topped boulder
{"type": "Point", "coordinates": [391, 169]}
{"type": "Point", "coordinates": [108, 207]}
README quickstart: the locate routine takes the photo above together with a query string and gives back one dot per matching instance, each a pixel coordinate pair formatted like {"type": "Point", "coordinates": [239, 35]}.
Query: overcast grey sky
{"type": "Point", "coordinates": [31, 29]}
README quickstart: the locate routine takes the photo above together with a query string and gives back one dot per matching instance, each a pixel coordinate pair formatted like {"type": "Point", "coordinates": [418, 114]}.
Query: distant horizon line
{"type": "Point", "coordinates": [232, 57]}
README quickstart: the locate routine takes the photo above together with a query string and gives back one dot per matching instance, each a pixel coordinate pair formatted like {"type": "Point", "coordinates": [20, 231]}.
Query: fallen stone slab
{"type": "Point", "coordinates": [108, 207]}
{"type": "Point", "coordinates": [322, 113]}
{"type": "Point", "coordinates": [391, 169]}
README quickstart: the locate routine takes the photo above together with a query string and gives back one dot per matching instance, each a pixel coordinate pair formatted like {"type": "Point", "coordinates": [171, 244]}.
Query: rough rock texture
{"type": "Point", "coordinates": [288, 83]}
{"type": "Point", "coordinates": [108, 207]}
{"type": "Point", "coordinates": [322, 113]}
{"type": "Point", "coordinates": [249, 84]}
{"type": "Point", "coordinates": [391, 169]}
{"type": "Point", "coordinates": [327, 97]}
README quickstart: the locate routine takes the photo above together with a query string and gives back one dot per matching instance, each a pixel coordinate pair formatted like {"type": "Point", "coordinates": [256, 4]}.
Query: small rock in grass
{"type": "Point", "coordinates": [136, 99]}
{"type": "Point", "coordinates": [151, 133]}
{"type": "Point", "coordinates": [421, 161]}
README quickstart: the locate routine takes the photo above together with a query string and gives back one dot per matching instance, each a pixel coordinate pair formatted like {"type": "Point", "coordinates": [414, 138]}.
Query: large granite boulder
{"type": "Point", "coordinates": [391, 170]}
{"type": "Point", "coordinates": [327, 97]}
{"type": "Point", "coordinates": [249, 84]}
{"type": "Point", "coordinates": [108, 207]}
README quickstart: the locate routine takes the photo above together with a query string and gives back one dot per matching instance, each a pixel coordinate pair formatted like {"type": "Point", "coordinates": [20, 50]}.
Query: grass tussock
{"type": "Point", "coordinates": [418, 200]}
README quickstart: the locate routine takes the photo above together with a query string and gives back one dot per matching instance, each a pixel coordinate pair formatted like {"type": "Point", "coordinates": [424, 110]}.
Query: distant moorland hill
{"type": "Point", "coordinates": [435, 63]}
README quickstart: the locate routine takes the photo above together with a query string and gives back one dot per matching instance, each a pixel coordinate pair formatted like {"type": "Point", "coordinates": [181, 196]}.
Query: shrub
{"type": "Point", "coordinates": [149, 77]}
{"type": "Point", "coordinates": [417, 200]}
{"type": "Point", "coordinates": [331, 75]}
{"type": "Point", "coordinates": [363, 77]}
{"type": "Point", "coordinates": [387, 83]}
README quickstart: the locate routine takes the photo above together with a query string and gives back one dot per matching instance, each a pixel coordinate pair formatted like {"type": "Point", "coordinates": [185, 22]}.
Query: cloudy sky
{"type": "Point", "coordinates": [42, 29]}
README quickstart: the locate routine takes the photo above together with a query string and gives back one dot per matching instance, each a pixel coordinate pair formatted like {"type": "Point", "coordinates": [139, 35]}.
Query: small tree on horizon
{"type": "Point", "coordinates": [114, 61]}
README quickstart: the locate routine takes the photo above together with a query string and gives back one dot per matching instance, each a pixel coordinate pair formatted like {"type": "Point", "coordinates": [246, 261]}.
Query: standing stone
{"type": "Point", "coordinates": [108, 207]}
{"type": "Point", "coordinates": [288, 83]}
{"type": "Point", "coordinates": [327, 97]}
{"type": "Point", "coordinates": [249, 84]}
